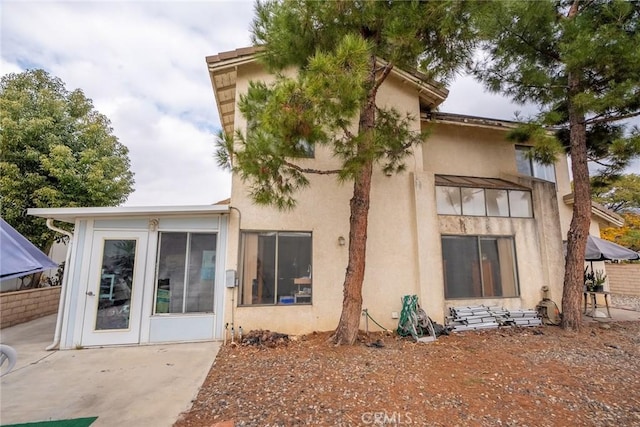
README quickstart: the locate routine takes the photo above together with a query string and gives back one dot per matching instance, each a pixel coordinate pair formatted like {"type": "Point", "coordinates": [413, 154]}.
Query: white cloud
{"type": "Point", "coordinates": [467, 96]}
{"type": "Point", "coordinates": [7, 67]}
{"type": "Point", "coordinates": [143, 64]}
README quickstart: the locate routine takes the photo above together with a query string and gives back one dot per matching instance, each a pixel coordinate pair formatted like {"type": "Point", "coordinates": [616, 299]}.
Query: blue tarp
{"type": "Point", "coordinates": [18, 256]}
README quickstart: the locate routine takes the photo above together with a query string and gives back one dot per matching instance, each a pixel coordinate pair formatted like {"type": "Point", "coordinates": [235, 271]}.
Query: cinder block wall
{"type": "Point", "coordinates": [21, 306]}
{"type": "Point", "coordinates": [624, 279]}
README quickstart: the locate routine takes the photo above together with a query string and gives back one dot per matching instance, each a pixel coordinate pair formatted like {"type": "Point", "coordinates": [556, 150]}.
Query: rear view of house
{"type": "Point", "coordinates": [472, 221]}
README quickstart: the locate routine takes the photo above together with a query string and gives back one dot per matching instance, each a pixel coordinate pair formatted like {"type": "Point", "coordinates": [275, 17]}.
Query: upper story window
{"type": "Point", "coordinates": [531, 167]}
{"type": "Point", "coordinates": [457, 195]}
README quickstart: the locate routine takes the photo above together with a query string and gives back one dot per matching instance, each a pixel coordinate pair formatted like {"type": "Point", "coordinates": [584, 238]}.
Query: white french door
{"type": "Point", "coordinates": [113, 308]}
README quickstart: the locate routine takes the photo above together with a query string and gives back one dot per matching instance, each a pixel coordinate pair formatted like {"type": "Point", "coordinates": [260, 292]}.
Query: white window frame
{"type": "Point", "coordinates": [186, 272]}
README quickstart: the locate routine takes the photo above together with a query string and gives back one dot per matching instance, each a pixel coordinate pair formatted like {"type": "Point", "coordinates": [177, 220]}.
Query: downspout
{"type": "Point", "coordinates": [63, 285]}
{"type": "Point", "coordinates": [235, 295]}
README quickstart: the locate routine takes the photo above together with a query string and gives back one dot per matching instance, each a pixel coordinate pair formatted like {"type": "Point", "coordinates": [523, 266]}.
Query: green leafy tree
{"type": "Point", "coordinates": [621, 195]}
{"type": "Point", "coordinates": [628, 235]}
{"type": "Point", "coordinates": [344, 51]}
{"type": "Point", "coordinates": [579, 62]}
{"type": "Point", "coordinates": [56, 151]}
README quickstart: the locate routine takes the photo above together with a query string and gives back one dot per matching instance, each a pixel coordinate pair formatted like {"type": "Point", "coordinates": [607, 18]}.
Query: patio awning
{"type": "Point", "coordinates": [601, 250]}
{"type": "Point", "coordinates": [18, 256]}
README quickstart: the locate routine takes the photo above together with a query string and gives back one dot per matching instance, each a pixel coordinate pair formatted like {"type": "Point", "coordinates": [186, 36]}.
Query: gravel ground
{"type": "Point", "coordinates": [625, 301]}
{"type": "Point", "coordinates": [505, 377]}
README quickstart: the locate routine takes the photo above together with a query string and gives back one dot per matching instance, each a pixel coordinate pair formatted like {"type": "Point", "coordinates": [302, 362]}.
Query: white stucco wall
{"type": "Point", "coordinates": [323, 209]}
{"type": "Point", "coordinates": [404, 253]}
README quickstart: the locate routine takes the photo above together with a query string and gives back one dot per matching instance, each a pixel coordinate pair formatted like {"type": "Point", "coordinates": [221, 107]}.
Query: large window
{"type": "Point", "coordinates": [483, 202]}
{"type": "Point", "coordinates": [479, 267]}
{"type": "Point", "coordinates": [531, 167]}
{"type": "Point", "coordinates": [276, 268]}
{"type": "Point", "coordinates": [185, 272]}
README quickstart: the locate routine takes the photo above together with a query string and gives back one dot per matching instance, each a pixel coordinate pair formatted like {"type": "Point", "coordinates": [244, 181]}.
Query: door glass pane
{"type": "Point", "coordinates": [264, 277]}
{"type": "Point", "coordinates": [491, 283]}
{"type": "Point", "coordinates": [294, 268]}
{"type": "Point", "coordinates": [473, 201]}
{"type": "Point", "coordinates": [497, 203]}
{"type": "Point", "coordinates": [116, 284]}
{"type": "Point", "coordinates": [461, 267]}
{"type": "Point", "coordinates": [508, 273]}
{"type": "Point", "coordinates": [249, 272]}
{"type": "Point", "coordinates": [202, 263]}
{"type": "Point", "coordinates": [171, 269]}
{"type": "Point", "coordinates": [448, 200]}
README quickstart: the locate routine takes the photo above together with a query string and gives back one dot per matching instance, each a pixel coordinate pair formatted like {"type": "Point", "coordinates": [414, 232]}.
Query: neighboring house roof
{"type": "Point", "coordinates": [608, 216]}
{"type": "Point", "coordinates": [70, 214]}
{"type": "Point", "coordinates": [223, 71]}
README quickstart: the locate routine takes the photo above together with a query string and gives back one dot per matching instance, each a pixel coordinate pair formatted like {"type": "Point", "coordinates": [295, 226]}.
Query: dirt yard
{"type": "Point", "coordinates": [510, 377]}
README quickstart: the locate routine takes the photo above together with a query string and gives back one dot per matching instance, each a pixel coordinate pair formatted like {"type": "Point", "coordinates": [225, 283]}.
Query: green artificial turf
{"type": "Point", "coordinates": [77, 422]}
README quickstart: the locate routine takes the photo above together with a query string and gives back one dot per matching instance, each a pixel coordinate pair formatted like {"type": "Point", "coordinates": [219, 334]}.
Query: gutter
{"type": "Point", "coordinates": [63, 285]}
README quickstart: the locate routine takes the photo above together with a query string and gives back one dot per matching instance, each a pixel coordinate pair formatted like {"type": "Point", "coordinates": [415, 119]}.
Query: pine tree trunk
{"type": "Point", "coordinates": [581, 219]}
{"type": "Point", "coordinates": [347, 330]}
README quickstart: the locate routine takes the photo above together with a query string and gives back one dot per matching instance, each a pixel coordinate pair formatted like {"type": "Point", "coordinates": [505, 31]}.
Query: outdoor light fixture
{"type": "Point", "coordinates": [341, 241]}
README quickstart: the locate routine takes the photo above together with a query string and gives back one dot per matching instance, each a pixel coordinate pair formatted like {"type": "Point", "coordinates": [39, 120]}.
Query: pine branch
{"type": "Point", "coordinates": [400, 149]}
{"type": "Point", "coordinates": [507, 78]}
{"type": "Point", "coordinates": [554, 56]}
{"type": "Point", "coordinates": [607, 118]}
{"type": "Point", "coordinates": [573, 11]}
{"type": "Point", "coordinates": [598, 161]}
{"type": "Point", "coordinates": [346, 131]}
{"type": "Point", "coordinates": [309, 170]}
{"type": "Point", "coordinates": [385, 72]}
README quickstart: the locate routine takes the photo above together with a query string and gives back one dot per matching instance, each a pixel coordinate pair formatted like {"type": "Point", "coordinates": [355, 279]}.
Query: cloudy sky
{"type": "Point", "coordinates": [143, 64]}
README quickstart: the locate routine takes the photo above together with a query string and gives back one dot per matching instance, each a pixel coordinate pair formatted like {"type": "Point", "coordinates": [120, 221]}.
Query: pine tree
{"type": "Point", "coordinates": [579, 62]}
{"type": "Point", "coordinates": [343, 51]}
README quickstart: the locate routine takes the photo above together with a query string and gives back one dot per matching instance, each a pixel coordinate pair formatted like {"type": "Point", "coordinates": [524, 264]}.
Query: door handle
{"type": "Point", "coordinates": [90, 293]}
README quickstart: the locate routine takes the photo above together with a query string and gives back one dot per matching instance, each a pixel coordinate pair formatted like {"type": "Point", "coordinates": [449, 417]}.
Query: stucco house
{"type": "Point", "coordinates": [471, 221]}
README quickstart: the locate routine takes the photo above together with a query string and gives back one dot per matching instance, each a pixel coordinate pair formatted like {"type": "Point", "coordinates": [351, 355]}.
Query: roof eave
{"type": "Point", "coordinates": [70, 215]}
{"type": "Point", "coordinates": [470, 121]}
{"type": "Point", "coordinates": [429, 91]}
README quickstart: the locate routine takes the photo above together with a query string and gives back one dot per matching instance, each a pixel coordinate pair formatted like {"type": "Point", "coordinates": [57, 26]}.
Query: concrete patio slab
{"type": "Point", "coordinates": [617, 315]}
{"type": "Point", "coordinates": [127, 386]}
